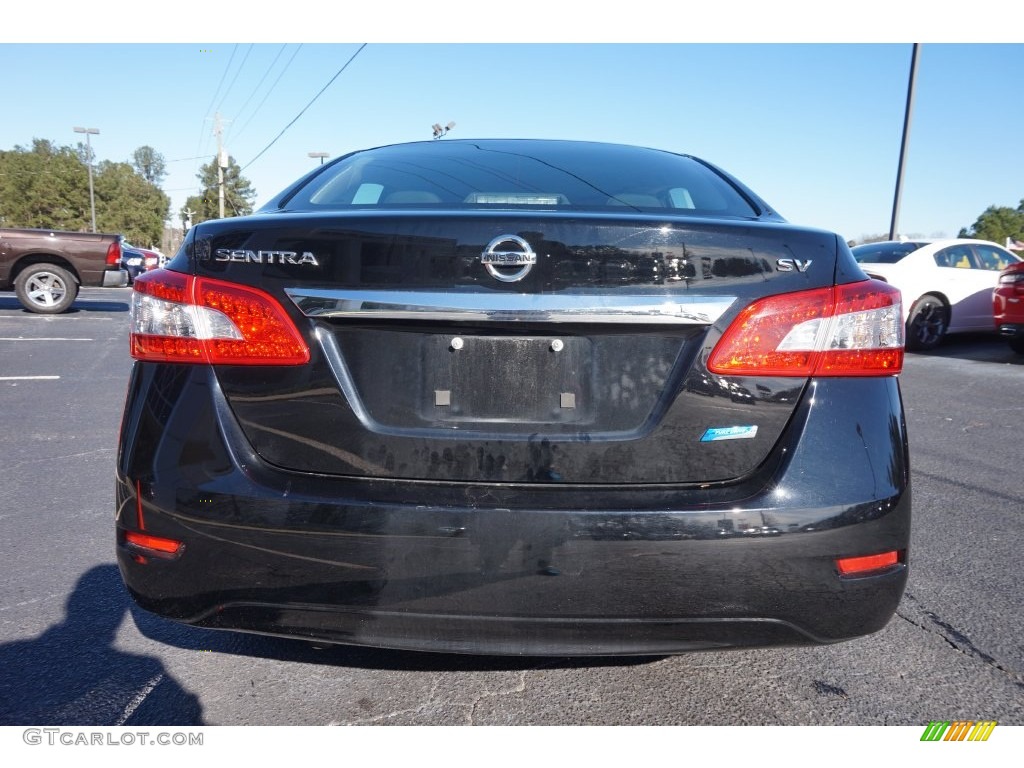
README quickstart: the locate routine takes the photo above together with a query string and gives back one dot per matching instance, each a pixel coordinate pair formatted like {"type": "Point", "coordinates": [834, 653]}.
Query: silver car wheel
{"type": "Point", "coordinates": [46, 289]}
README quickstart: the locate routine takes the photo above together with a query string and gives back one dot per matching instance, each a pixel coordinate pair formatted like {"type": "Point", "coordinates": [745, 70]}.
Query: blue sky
{"type": "Point", "coordinates": [813, 128]}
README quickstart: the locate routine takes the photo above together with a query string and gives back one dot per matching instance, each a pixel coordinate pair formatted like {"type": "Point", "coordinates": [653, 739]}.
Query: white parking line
{"type": "Point", "coordinates": [28, 378]}
{"type": "Point", "coordinates": [42, 338]}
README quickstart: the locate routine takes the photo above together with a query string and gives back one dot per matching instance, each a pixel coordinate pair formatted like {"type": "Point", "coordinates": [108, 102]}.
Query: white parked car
{"type": "Point", "coordinates": [946, 284]}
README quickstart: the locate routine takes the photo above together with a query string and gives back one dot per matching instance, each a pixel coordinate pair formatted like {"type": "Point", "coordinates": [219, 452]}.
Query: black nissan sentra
{"type": "Point", "coordinates": [516, 397]}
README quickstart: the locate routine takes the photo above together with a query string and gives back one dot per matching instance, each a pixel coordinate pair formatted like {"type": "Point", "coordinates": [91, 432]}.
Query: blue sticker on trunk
{"type": "Point", "coordinates": [728, 433]}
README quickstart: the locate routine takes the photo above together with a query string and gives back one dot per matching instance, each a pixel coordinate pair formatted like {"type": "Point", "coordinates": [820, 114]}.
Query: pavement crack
{"type": "Point", "coordinates": [520, 687]}
{"type": "Point", "coordinates": [955, 639]}
{"type": "Point", "coordinates": [51, 459]}
{"type": "Point", "coordinates": [431, 702]}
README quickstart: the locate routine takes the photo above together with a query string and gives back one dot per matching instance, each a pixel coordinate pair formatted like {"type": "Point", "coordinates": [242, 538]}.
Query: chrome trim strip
{"type": "Point", "coordinates": [510, 307]}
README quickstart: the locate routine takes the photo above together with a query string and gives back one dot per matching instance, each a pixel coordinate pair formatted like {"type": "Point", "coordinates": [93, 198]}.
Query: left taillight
{"type": "Point", "coordinates": [1013, 280]}
{"type": "Point", "coordinates": [854, 329]}
{"type": "Point", "coordinates": [180, 318]}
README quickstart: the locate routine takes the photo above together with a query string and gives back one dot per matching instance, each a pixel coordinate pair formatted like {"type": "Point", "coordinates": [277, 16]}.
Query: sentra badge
{"type": "Point", "coordinates": [498, 258]}
{"type": "Point", "coordinates": [266, 257]}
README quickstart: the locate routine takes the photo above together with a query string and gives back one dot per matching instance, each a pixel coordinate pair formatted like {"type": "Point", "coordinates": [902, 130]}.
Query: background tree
{"type": "Point", "coordinates": [44, 187]}
{"type": "Point", "coordinates": [998, 223]}
{"type": "Point", "coordinates": [149, 164]}
{"type": "Point", "coordinates": [238, 193]}
{"type": "Point", "coordinates": [47, 187]}
{"type": "Point", "coordinates": [128, 203]}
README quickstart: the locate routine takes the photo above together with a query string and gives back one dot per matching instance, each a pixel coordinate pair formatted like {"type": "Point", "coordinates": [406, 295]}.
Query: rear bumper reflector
{"type": "Point", "coordinates": [156, 546]}
{"type": "Point", "coordinates": [855, 566]}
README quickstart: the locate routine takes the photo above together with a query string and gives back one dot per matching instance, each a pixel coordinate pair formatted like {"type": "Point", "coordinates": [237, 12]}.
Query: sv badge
{"type": "Point", "coordinates": [788, 265]}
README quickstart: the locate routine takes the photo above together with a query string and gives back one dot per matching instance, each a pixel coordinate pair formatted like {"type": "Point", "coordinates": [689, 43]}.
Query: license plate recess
{"type": "Point", "coordinates": [515, 379]}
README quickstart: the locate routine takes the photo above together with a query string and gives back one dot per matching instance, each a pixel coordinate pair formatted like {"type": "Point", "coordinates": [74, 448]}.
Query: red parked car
{"type": "Point", "coordinates": [1008, 306]}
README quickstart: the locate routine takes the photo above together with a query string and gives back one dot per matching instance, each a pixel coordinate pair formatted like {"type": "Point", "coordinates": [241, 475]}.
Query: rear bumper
{"type": "Point", "coordinates": [115, 278]}
{"type": "Point", "coordinates": [515, 569]}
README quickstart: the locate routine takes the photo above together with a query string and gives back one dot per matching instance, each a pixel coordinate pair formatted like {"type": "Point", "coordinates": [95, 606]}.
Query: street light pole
{"type": "Point", "coordinates": [321, 155]}
{"type": "Point", "coordinates": [903, 144]}
{"type": "Point", "coordinates": [88, 150]}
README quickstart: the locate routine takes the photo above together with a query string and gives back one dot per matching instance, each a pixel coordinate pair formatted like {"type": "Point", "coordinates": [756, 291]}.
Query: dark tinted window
{"type": "Point", "coordinates": [884, 253]}
{"type": "Point", "coordinates": [957, 256]}
{"type": "Point", "coordinates": [540, 174]}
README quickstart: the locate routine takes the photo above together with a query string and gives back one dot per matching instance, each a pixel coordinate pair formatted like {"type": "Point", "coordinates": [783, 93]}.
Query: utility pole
{"type": "Point", "coordinates": [88, 151]}
{"type": "Point", "coordinates": [903, 144]}
{"type": "Point", "coordinates": [222, 161]}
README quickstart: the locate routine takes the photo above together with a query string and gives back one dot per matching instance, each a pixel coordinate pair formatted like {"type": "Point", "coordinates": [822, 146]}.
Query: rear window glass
{"type": "Point", "coordinates": [528, 175]}
{"type": "Point", "coordinates": [883, 253]}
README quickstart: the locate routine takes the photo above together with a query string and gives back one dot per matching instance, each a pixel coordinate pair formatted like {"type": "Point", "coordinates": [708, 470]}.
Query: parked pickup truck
{"type": "Point", "coordinates": [46, 267]}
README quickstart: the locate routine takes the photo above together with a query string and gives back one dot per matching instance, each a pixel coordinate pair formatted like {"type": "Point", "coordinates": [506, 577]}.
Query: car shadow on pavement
{"type": "Point", "coordinates": [308, 652]}
{"type": "Point", "coordinates": [978, 347]}
{"type": "Point", "coordinates": [72, 675]}
{"type": "Point", "coordinates": [80, 305]}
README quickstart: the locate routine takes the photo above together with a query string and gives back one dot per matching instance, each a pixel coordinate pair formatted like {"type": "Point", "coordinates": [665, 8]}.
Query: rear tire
{"type": "Point", "coordinates": [927, 323]}
{"type": "Point", "coordinates": [46, 289]}
{"type": "Point", "coordinates": [1017, 344]}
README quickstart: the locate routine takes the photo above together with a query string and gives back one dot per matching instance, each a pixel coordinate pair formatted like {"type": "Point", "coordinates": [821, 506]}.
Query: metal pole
{"type": "Point", "coordinates": [903, 144]}
{"type": "Point", "coordinates": [220, 186]}
{"type": "Point", "coordinates": [92, 195]}
{"type": "Point", "coordinates": [221, 164]}
{"type": "Point", "coordinates": [88, 150]}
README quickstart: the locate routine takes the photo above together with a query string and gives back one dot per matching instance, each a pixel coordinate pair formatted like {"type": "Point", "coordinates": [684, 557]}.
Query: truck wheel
{"type": "Point", "coordinates": [46, 289]}
{"type": "Point", "coordinates": [1017, 344]}
{"type": "Point", "coordinates": [927, 323]}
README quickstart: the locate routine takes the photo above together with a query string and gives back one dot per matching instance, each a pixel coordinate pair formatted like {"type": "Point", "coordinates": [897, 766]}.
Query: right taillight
{"type": "Point", "coordinates": [114, 254]}
{"type": "Point", "coordinates": [844, 330]}
{"type": "Point", "coordinates": [179, 318]}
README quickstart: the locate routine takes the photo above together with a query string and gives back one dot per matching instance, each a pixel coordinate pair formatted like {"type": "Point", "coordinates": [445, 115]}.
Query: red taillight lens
{"type": "Point", "coordinates": [1014, 277]}
{"type": "Point", "coordinates": [845, 330]}
{"type": "Point", "coordinates": [184, 319]}
{"type": "Point", "coordinates": [152, 544]}
{"type": "Point", "coordinates": [851, 566]}
{"type": "Point", "coordinates": [114, 254]}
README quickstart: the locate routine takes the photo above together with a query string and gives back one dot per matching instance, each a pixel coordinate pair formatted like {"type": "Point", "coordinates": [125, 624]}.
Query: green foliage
{"type": "Point", "coordinates": [127, 203]}
{"type": "Point", "coordinates": [149, 164]}
{"type": "Point", "coordinates": [238, 193]}
{"type": "Point", "coordinates": [47, 187]}
{"type": "Point", "coordinates": [998, 223]}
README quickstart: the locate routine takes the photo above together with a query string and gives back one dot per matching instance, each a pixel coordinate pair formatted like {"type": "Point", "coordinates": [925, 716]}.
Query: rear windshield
{"type": "Point", "coordinates": [521, 175]}
{"type": "Point", "coordinates": [884, 253]}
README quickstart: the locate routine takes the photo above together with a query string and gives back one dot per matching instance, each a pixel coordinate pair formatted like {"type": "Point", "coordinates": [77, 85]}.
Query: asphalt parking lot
{"type": "Point", "coordinates": [74, 651]}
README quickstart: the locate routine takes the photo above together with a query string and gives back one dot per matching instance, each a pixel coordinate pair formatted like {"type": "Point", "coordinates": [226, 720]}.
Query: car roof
{"type": "Point", "coordinates": [927, 241]}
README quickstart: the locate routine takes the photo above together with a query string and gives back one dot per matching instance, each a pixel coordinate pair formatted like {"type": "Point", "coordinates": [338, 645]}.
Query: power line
{"type": "Point", "coordinates": [237, 73]}
{"type": "Point", "coordinates": [267, 95]}
{"type": "Point", "coordinates": [215, 93]}
{"type": "Point", "coordinates": [199, 144]}
{"type": "Point", "coordinates": [260, 83]}
{"type": "Point", "coordinates": [336, 75]}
